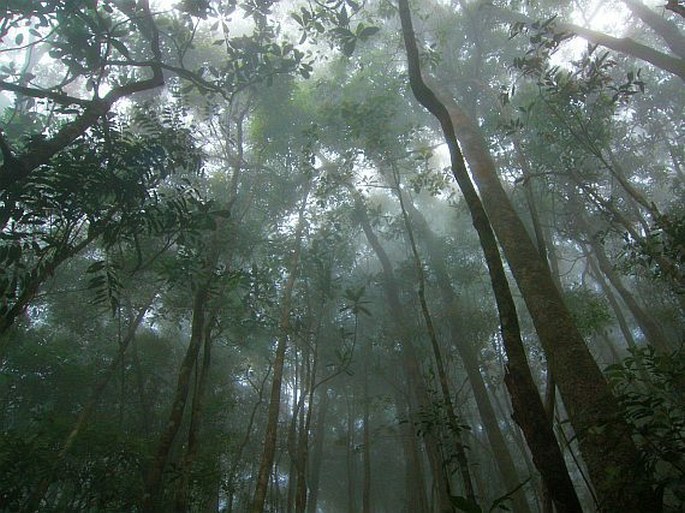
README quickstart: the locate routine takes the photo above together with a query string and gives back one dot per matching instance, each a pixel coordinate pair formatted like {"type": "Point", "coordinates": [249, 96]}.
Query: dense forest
{"type": "Point", "coordinates": [342, 256]}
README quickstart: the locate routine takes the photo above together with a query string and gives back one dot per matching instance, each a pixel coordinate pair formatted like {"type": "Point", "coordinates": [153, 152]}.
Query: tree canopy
{"type": "Point", "coordinates": [342, 256]}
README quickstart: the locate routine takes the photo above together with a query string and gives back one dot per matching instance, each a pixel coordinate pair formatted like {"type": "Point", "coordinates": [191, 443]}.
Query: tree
{"type": "Point", "coordinates": [544, 304]}
{"type": "Point", "coordinates": [247, 275]}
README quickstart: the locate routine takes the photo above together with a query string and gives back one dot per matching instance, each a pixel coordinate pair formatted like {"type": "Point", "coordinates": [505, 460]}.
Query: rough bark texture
{"type": "Point", "coordinates": [609, 452]}
{"type": "Point", "coordinates": [583, 388]}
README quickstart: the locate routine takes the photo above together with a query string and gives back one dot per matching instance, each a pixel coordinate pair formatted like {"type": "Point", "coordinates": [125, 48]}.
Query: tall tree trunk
{"type": "Point", "coordinates": [291, 444]}
{"type": "Point", "coordinates": [317, 452]}
{"type": "Point", "coordinates": [455, 429]}
{"type": "Point", "coordinates": [238, 460]}
{"type": "Point", "coordinates": [437, 258]}
{"type": "Point", "coordinates": [270, 437]}
{"type": "Point", "coordinates": [152, 501]}
{"type": "Point", "coordinates": [548, 255]}
{"type": "Point", "coordinates": [409, 357]}
{"type": "Point", "coordinates": [415, 485]}
{"type": "Point", "coordinates": [581, 383]}
{"type": "Point", "coordinates": [196, 411]}
{"type": "Point", "coordinates": [142, 393]}
{"type": "Point", "coordinates": [351, 462]}
{"type": "Point", "coordinates": [366, 432]}
{"type": "Point", "coordinates": [305, 420]}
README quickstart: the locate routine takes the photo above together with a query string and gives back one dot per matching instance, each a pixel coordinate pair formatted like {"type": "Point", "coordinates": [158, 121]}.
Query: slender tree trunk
{"type": "Point", "coordinates": [652, 331]}
{"type": "Point", "coordinates": [238, 456]}
{"type": "Point", "coordinates": [271, 434]}
{"type": "Point", "coordinates": [302, 449]}
{"type": "Point", "coordinates": [415, 486]}
{"type": "Point", "coordinates": [409, 356]}
{"type": "Point", "coordinates": [579, 379]}
{"type": "Point", "coordinates": [298, 405]}
{"type": "Point", "coordinates": [142, 393]}
{"type": "Point", "coordinates": [454, 427]}
{"type": "Point", "coordinates": [196, 411]}
{"type": "Point", "coordinates": [615, 216]}
{"type": "Point", "coordinates": [317, 453]}
{"type": "Point", "coordinates": [351, 462]}
{"type": "Point", "coordinates": [152, 501]}
{"type": "Point", "coordinates": [611, 297]}
{"type": "Point", "coordinates": [366, 432]}
{"type": "Point", "coordinates": [437, 258]}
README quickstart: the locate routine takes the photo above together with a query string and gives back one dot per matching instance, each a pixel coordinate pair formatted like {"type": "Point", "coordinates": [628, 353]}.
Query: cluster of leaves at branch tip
{"type": "Point", "coordinates": [650, 387]}
{"type": "Point", "coordinates": [355, 301]}
{"type": "Point", "coordinates": [591, 87]}
{"type": "Point", "coordinates": [664, 241]}
{"type": "Point", "coordinates": [339, 15]}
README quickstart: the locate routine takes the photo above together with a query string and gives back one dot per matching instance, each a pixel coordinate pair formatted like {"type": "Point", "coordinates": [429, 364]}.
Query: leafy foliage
{"type": "Point", "coordinates": [190, 181]}
{"type": "Point", "coordinates": [113, 183]}
{"type": "Point", "coordinates": [661, 254]}
{"type": "Point", "coordinates": [650, 388]}
{"type": "Point", "coordinates": [589, 309]}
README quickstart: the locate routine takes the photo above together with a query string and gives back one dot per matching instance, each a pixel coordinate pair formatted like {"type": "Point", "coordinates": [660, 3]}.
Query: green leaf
{"type": "Point", "coordinates": [343, 18]}
{"type": "Point", "coordinates": [297, 18]}
{"type": "Point", "coordinates": [19, 39]}
{"type": "Point", "coordinates": [366, 32]}
{"type": "Point", "coordinates": [349, 46]}
{"type": "Point", "coordinates": [96, 267]}
{"type": "Point", "coordinates": [121, 47]}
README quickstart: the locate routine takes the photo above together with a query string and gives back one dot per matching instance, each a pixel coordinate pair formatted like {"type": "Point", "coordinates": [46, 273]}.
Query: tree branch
{"type": "Point", "coordinates": [667, 30]}
{"type": "Point", "coordinates": [674, 6]}
{"type": "Point", "coordinates": [629, 47]}
{"type": "Point", "coordinates": [623, 45]}
{"type": "Point", "coordinates": [61, 98]}
{"type": "Point", "coordinates": [41, 151]}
